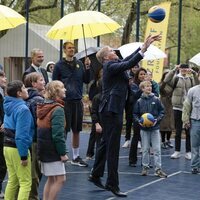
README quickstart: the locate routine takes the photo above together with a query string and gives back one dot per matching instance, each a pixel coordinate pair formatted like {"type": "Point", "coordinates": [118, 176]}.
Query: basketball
{"type": "Point", "coordinates": [147, 120]}
{"type": "Point", "coordinates": [156, 14]}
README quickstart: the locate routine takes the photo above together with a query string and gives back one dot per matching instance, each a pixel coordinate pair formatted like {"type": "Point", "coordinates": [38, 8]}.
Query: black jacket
{"type": "Point", "coordinates": [1, 109]}
{"type": "Point", "coordinates": [115, 83]}
{"type": "Point", "coordinates": [31, 69]}
{"type": "Point", "coordinates": [73, 75]}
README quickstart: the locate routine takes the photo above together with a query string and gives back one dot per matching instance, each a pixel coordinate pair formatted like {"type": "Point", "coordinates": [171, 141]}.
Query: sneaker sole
{"type": "Point", "coordinates": [160, 176]}
{"type": "Point", "coordinates": [78, 164]}
{"type": "Point", "coordinates": [125, 146]}
{"type": "Point", "coordinates": [144, 174]}
{"type": "Point", "coordinates": [187, 158]}
{"type": "Point", "coordinates": [175, 157]}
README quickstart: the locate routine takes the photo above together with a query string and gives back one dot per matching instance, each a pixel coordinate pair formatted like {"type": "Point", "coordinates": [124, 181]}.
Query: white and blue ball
{"type": "Point", "coordinates": [156, 14]}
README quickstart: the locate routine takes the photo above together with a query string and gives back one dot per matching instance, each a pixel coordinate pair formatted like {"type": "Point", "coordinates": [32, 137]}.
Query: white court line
{"type": "Point", "coordinates": [186, 172]}
{"type": "Point", "coordinates": [139, 156]}
{"type": "Point", "coordinates": [147, 184]}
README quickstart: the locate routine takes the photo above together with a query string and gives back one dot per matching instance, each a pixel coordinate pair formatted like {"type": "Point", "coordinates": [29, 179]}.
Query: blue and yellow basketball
{"type": "Point", "coordinates": [147, 120]}
{"type": "Point", "coordinates": [156, 14]}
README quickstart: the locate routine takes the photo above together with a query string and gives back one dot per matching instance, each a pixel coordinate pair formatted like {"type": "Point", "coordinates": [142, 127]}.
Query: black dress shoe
{"type": "Point", "coordinates": [132, 164]}
{"type": "Point", "coordinates": [115, 190]}
{"type": "Point", "coordinates": [96, 181]}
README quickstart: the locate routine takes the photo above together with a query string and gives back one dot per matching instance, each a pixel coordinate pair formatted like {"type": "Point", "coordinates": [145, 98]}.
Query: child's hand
{"type": "Point", "coordinates": [155, 122]}
{"type": "Point", "coordinates": [141, 125]}
{"type": "Point", "coordinates": [24, 162]}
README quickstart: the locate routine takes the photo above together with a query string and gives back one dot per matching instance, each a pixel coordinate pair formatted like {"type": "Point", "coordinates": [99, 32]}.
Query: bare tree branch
{"type": "Point", "coordinates": [11, 3]}
{"type": "Point", "coordinates": [53, 5]}
{"type": "Point", "coordinates": [72, 3]}
{"type": "Point", "coordinates": [129, 24]}
{"type": "Point", "coordinates": [92, 4]}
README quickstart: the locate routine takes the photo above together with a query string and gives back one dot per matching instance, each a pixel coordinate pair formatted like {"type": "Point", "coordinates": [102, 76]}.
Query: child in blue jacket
{"type": "Point", "coordinates": [149, 103]}
{"type": "Point", "coordinates": [18, 136]}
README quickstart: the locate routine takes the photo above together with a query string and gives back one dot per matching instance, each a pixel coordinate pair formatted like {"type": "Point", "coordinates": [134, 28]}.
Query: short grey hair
{"type": "Point", "coordinates": [102, 53]}
{"type": "Point", "coordinates": [35, 51]}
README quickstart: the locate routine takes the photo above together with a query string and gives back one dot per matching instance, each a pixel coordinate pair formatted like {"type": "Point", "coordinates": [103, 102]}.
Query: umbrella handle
{"type": "Point", "coordinates": [84, 40]}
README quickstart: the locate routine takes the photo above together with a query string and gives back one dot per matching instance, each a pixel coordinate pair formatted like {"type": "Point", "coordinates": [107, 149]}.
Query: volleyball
{"type": "Point", "coordinates": [156, 14]}
{"type": "Point", "coordinates": [147, 120]}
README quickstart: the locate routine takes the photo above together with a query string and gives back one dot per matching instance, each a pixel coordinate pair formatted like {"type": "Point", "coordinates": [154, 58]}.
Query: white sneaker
{"type": "Point", "coordinates": [139, 145]}
{"type": "Point", "coordinates": [176, 155]}
{"type": "Point", "coordinates": [188, 156]}
{"type": "Point", "coordinates": [126, 144]}
{"type": "Point", "coordinates": [1, 195]}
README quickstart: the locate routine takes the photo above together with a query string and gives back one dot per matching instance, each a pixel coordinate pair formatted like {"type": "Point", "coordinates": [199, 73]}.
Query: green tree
{"type": "Point", "coordinates": [124, 12]}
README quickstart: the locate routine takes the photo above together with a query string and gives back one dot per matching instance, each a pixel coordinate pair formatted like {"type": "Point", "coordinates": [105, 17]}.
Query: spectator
{"type": "Point", "coordinates": [51, 139]}
{"type": "Point", "coordinates": [34, 82]}
{"type": "Point", "coordinates": [18, 133]}
{"type": "Point", "coordinates": [167, 123]}
{"type": "Point", "coordinates": [50, 67]}
{"type": "Point", "coordinates": [148, 103]}
{"type": "Point", "coordinates": [73, 74]}
{"type": "Point", "coordinates": [95, 92]}
{"type": "Point", "coordinates": [136, 92]}
{"type": "Point", "coordinates": [37, 58]}
{"type": "Point", "coordinates": [191, 119]}
{"type": "Point", "coordinates": [3, 168]}
{"type": "Point", "coordinates": [180, 84]}
{"type": "Point", "coordinates": [129, 107]}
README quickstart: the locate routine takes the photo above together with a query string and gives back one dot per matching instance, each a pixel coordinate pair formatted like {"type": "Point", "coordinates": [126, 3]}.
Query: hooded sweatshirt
{"type": "Point", "coordinates": [34, 98]}
{"type": "Point", "coordinates": [50, 131]}
{"type": "Point", "coordinates": [18, 120]}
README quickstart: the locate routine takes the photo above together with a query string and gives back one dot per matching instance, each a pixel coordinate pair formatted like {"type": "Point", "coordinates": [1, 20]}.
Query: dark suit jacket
{"type": "Point", "coordinates": [31, 69]}
{"type": "Point", "coordinates": [115, 83]}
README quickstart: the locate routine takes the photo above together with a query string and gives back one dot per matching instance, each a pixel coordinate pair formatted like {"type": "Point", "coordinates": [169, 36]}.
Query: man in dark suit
{"type": "Point", "coordinates": [37, 57]}
{"type": "Point", "coordinates": [115, 87]}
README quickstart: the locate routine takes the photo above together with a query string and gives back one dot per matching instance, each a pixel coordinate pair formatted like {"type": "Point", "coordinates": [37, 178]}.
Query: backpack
{"type": "Point", "coordinates": [176, 82]}
{"type": "Point", "coordinates": [169, 89]}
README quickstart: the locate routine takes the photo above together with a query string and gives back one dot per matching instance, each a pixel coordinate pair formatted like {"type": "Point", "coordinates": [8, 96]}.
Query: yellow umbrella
{"type": "Point", "coordinates": [82, 24]}
{"type": "Point", "coordinates": [10, 18]}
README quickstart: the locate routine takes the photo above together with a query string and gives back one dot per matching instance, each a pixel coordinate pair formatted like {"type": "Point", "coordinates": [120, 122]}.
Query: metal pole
{"type": "Point", "coordinates": [138, 22]}
{"type": "Point", "coordinates": [61, 15]}
{"type": "Point", "coordinates": [99, 9]}
{"type": "Point", "coordinates": [179, 32]}
{"type": "Point", "coordinates": [27, 32]}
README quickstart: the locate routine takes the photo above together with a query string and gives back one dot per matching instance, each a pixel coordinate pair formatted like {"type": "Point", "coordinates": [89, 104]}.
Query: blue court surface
{"type": "Point", "coordinates": [180, 184]}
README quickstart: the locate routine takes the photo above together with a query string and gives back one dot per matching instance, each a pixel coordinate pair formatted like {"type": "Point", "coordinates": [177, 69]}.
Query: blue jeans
{"type": "Point", "coordinates": [195, 143]}
{"type": "Point", "coordinates": [151, 137]}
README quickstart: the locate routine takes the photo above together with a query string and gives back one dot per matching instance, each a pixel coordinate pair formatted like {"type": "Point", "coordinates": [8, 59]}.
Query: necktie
{"type": "Point", "coordinates": [39, 70]}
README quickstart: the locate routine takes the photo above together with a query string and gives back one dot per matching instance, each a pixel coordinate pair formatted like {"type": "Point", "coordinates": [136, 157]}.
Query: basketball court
{"type": "Point", "coordinates": [180, 184]}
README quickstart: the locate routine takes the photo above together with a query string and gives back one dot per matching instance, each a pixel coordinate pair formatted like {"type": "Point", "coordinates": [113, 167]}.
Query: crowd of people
{"type": "Point", "coordinates": [37, 113]}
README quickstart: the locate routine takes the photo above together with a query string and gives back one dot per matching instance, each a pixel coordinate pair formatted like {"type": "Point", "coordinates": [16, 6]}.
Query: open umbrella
{"type": "Point", "coordinates": [195, 59]}
{"type": "Point", "coordinates": [91, 53]}
{"type": "Point", "coordinates": [152, 52]}
{"type": "Point", "coordinates": [82, 24]}
{"type": "Point", "coordinates": [10, 18]}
